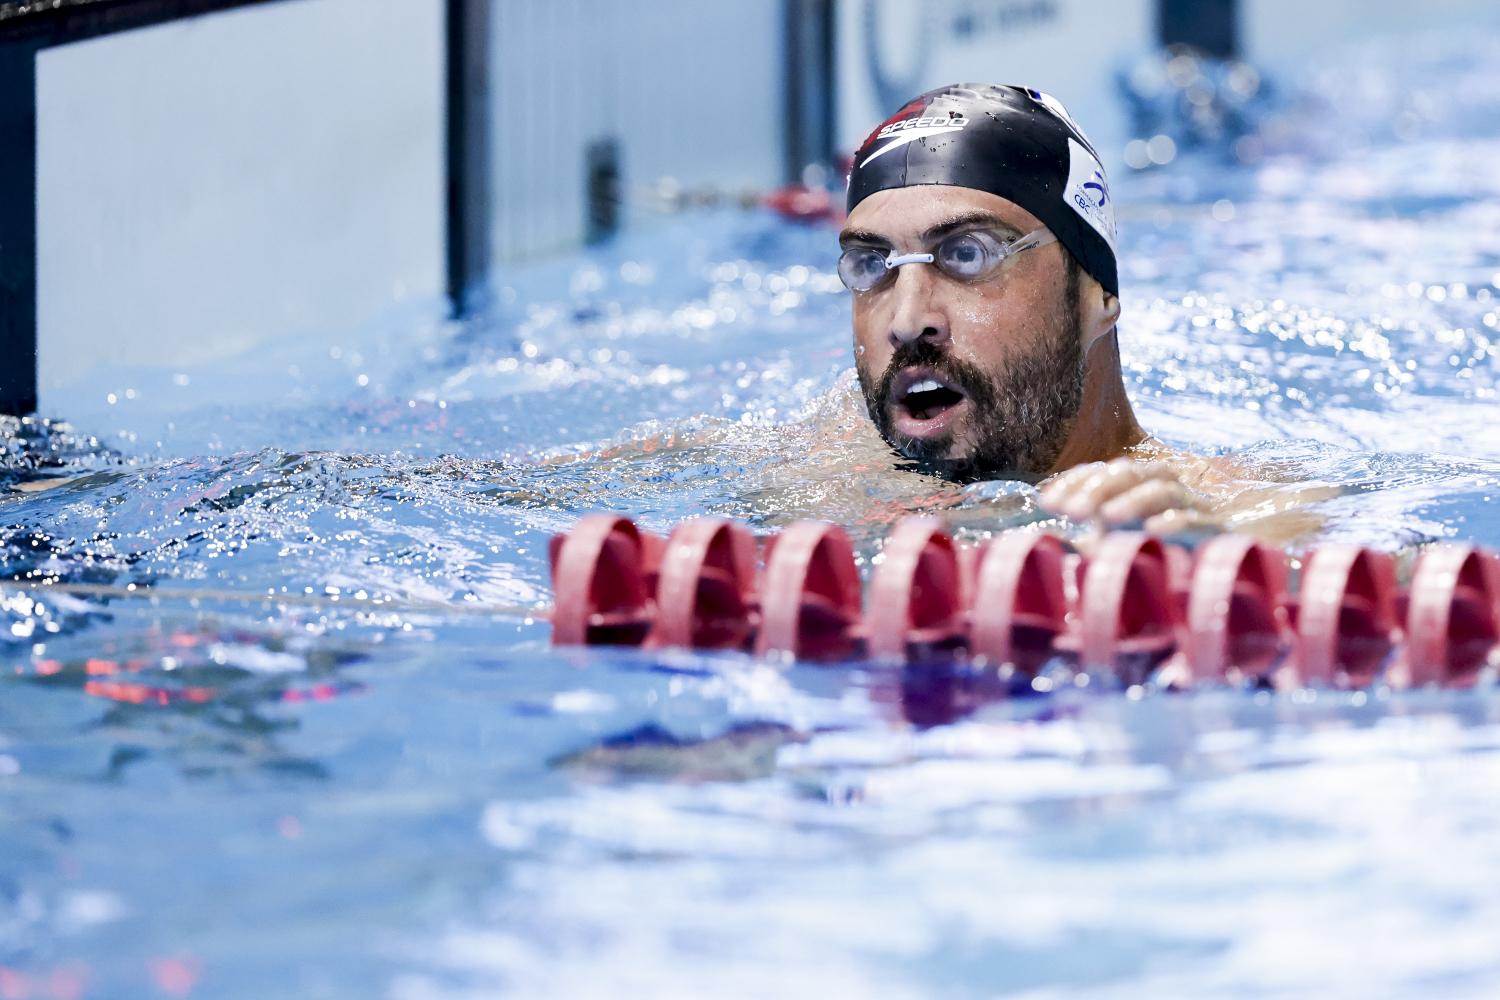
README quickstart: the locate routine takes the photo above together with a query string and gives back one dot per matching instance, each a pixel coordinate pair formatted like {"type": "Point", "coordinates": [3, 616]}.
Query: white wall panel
{"type": "Point", "coordinates": [211, 184]}
{"type": "Point", "coordinates": [689, 89]}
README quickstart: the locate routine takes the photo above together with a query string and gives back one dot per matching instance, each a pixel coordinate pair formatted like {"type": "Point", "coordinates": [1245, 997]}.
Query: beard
{"type": "Point", "coordinates": [1020, 417]}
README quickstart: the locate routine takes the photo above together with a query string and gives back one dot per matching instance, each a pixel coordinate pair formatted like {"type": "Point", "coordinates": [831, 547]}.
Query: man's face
{"type": "Point", "coordinates": [971, 379]}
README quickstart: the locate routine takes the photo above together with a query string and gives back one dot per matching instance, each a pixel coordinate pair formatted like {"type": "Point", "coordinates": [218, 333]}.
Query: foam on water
{"type": "Point", "coordinates": [366, 785]}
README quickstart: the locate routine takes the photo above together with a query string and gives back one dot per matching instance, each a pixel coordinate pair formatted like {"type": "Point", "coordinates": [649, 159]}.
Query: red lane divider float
{"type": "Point", "coordinates": [1128, 617]}
{"type": "Point", "coordinates": [705, 589]}
{"type": "Point", "coordinates": [1238, 625]}
{"type": "Point", "coordinates": [917, 605]}
{"type": "Point", "coordinates": [1346, 618]}
{"type": "Point", "coordinates": [603, 572]}
{"type": "Point", "coordinates": [1453, 616]}
{"type": "Point", "coordinates": [1024, 608]}
{"type": "Point", "coordinates": [1137, 607]}
{"type": "Point", "coordinates": [810, 594]}
{"type": "Point", "coordinates": [800, 203]}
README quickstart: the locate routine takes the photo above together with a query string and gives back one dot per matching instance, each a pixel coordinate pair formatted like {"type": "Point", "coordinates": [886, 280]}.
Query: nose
{"type": "Point", "coordinates": [916, 314]}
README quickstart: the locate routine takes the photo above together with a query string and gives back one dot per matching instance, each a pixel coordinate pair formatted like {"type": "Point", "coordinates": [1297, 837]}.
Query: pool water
{"type": "Point", "coordinates": [318, 762]}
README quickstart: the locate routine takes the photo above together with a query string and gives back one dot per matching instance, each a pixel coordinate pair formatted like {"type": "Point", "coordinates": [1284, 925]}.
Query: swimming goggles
{"type": "Point", "coordinates": [972, 255]}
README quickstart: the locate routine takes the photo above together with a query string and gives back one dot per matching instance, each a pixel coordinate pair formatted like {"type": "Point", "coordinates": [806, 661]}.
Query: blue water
{"type": "Point", "coordinates": [317, 763]}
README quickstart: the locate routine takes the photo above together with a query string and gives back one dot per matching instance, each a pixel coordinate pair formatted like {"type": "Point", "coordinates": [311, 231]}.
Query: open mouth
{"type": "Point", "coordinates": [930, 397]}
{"type": "Point", "coordinates": [923, 403]}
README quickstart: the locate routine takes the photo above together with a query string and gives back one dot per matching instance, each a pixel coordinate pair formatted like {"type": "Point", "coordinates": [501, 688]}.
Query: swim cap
{"type": "Point", "coordinates": [1017, 143]}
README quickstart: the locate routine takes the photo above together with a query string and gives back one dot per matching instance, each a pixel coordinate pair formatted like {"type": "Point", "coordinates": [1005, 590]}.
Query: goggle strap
{"type": "Point", "coordinates": [1040, 238]}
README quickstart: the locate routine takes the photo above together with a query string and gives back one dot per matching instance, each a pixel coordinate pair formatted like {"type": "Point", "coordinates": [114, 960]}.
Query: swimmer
{"type": "Point", "coordinates": [980, 252]}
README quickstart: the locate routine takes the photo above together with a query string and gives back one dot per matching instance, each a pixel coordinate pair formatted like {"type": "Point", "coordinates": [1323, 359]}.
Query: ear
{"type": "Point", "coordinates": [1101, 312]}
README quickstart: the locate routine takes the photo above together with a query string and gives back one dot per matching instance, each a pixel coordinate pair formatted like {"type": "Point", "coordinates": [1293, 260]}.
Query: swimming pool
{"type": "Point", "coordinates": [367, 785]}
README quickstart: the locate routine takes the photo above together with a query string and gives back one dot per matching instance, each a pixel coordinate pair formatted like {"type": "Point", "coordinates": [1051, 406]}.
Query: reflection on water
{"type": "Point", "coordinates": [317, 761]}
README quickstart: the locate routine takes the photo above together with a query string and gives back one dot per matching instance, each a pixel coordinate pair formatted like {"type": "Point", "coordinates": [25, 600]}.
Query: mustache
{"type": "Point", "coordinates": [956, 372]}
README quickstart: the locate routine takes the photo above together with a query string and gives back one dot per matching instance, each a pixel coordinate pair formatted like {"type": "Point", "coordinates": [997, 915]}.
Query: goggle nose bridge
{"type": "Point", "coordinates": [893, 262]}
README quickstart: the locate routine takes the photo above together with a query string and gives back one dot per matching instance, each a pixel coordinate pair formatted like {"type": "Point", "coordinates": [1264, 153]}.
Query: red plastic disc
{"type": "Point", "coordinates": [1128, 616]}
{"type": "Point", "coordinates": [916, 595]}
{"type": "Point", "coordinates": [1236, 615]}
{"type": "Point", "coordinates": [706, 586]}
{"type": "Point", "coordinates": [810, 594]}
{"type": "Point", "coordinates": [799, 203]}
{"type": "Point", "coordinates": [599, 579]}
{"type": "Point", "coordinates": [1020, 605]}
{"type": "Point", "coordinates": [1179, 568]}
{"type": "Point", "coordinates": [1179, 576]}
{"type": "Point", "coordinates": [1346, 615]}
{"type": "Point", "coordinates": [968, 569]}
{"type": "Point", "coordinates": [1451, 626]}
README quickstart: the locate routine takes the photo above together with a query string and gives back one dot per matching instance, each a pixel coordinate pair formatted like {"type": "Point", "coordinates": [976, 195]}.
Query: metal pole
{"type": "Point", "coordinates": [808, 75]}
{"type": "Point", "coordinates": [468, 153]}
{"type": "Point", "coordinates": [17, 228]}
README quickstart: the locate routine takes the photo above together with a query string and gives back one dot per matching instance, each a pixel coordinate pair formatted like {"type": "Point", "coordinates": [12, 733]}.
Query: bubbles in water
{"type": "Point", "coordinates": [1340, 331]}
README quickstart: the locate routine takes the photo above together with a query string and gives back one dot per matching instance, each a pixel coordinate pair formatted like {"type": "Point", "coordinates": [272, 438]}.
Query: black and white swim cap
{"type": "Point", "coordinates": [1013, 142]}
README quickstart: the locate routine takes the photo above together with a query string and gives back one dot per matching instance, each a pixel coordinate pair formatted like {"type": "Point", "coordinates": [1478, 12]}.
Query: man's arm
{"type": "Point", "coordinates": [1168, 491]}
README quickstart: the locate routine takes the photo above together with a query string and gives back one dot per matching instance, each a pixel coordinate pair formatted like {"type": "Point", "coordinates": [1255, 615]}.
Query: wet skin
{"type": "Point", "coordinates": [1103, 469]}
{"type": "Point", "coordinates": [1102, 465]}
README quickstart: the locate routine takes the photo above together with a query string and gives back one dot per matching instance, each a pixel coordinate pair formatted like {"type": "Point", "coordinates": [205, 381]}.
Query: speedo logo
{"type": "Point", "coordinates": [898, 134]}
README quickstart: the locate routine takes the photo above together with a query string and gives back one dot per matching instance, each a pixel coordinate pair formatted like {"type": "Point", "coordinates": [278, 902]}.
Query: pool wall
{"type": "Point", "coordinates": [212, 186]}
{"type": "Point", "coordinates": [262, 171]}
{"type": "Point", "coordinates": [679, 89]}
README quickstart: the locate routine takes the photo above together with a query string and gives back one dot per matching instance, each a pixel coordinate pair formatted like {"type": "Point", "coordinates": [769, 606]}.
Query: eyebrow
{"type": "Point", "coordinates": [937, 231]}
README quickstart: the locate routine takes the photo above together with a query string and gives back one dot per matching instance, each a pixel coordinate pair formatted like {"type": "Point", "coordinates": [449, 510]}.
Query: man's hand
{"type": "Point", "coordinates": [1127, 492]}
